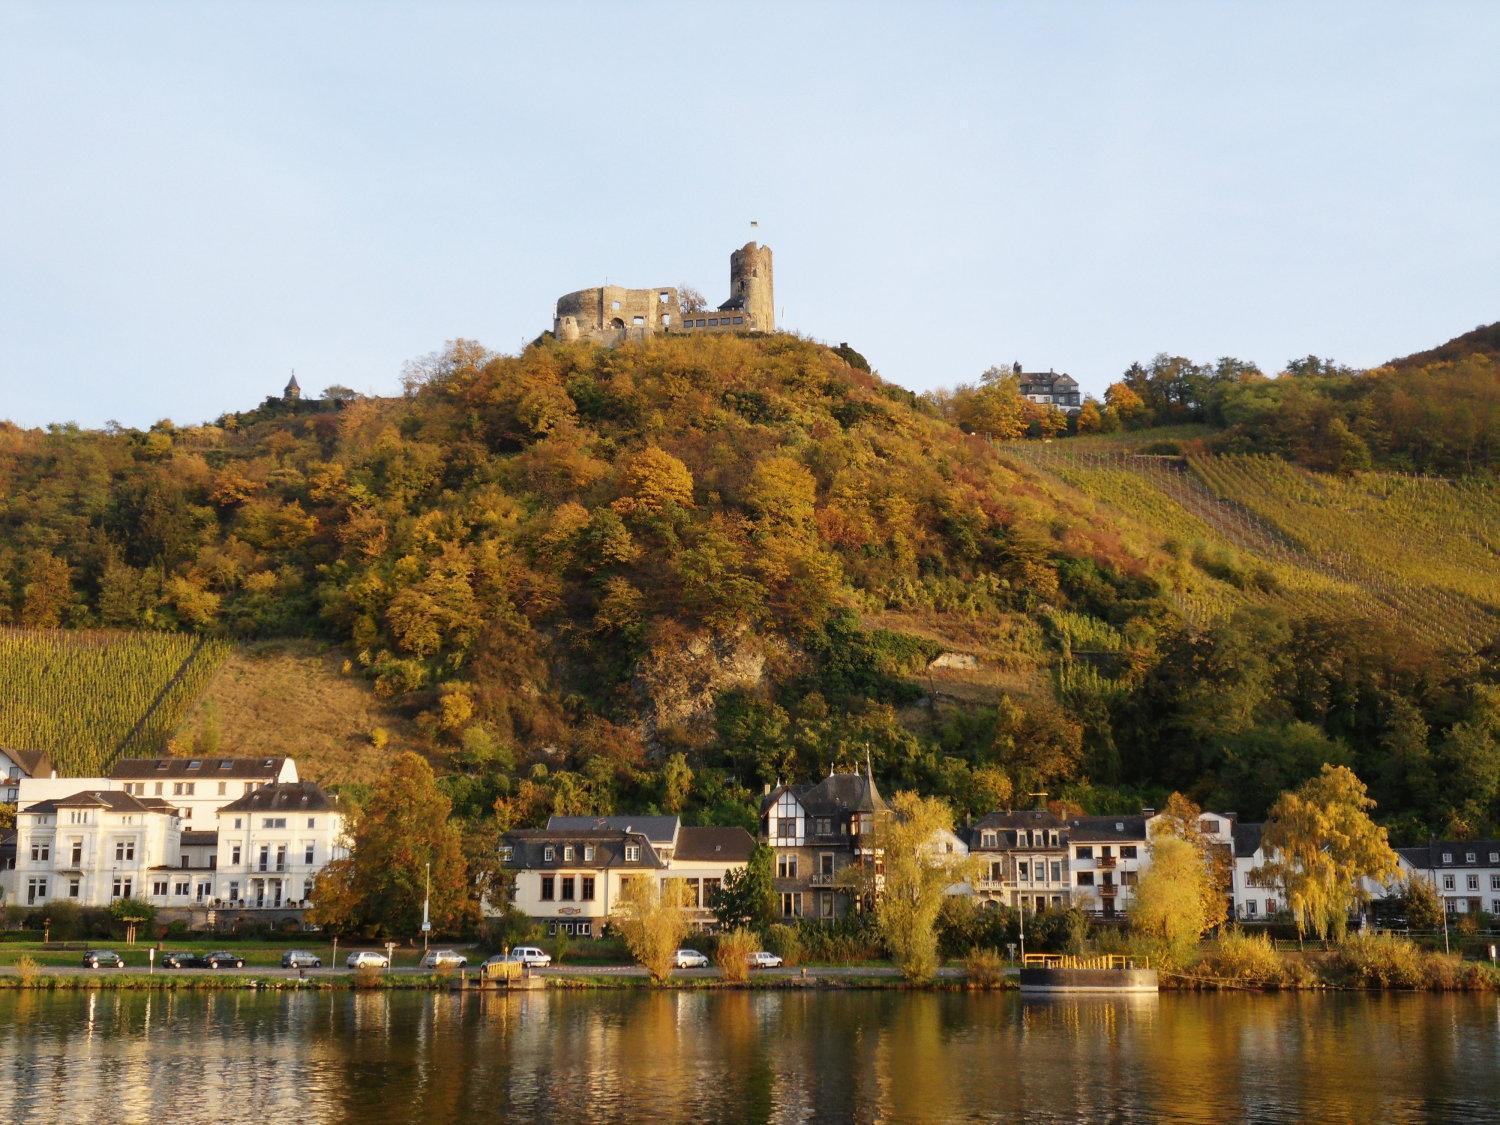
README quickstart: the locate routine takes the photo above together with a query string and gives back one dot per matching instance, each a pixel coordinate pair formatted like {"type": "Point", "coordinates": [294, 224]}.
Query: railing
{"type": "Point", "coordinates": [822, 879]}
{"type": "Point", "coordinates": [1072, 961]}
{"type": "Point", "coordinates": [1106, 861]}
{"type": "Point", "coordinates": [1107, 890]}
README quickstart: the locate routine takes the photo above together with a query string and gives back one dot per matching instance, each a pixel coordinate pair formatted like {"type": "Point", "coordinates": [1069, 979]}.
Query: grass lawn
{"type": "Point", "coordinates": [257, 954]}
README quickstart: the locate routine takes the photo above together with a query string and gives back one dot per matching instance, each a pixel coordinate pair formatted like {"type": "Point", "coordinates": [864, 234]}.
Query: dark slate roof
{"type": "Point", "coordinates": [35, 763]}
{"type": "Point", "coordinates": [1246, 839]}
{"type": "Point", "coordinates": [1006, 823]}
{"type": "Point", "coordinates": [730, 845]}
{"type": "Point", "coordinates": [199, 839]}
{"type": "Point", "coordinates": [529, 849]}
{"type": "Point", "coordinates": [284, 796]}
{"type": "Point", "coordinates": [113, 800]}
{"type": "Point", "coordinates": [838, 793]}
{"type": "Point", "coordinates": [1427, 856]}
{"type": "Point", "coordinates": [1106, 829]}
{"type": "Point", "coordinates": [1056, 379]}
{"type": "Point", "coordinates": [657, 829]}
{"type": "Point", "coordinates": [137, 769]}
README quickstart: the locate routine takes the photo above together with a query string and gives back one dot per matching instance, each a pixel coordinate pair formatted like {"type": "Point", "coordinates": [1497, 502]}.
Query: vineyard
{"type": "Point", "coordinates": [1418, 552]}
{"type": "Point", "coordinates": [88, 698]}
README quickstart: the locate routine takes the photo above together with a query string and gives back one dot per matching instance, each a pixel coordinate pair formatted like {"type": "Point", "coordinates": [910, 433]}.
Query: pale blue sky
{"type": "Point", "coordinates": [196, 198]}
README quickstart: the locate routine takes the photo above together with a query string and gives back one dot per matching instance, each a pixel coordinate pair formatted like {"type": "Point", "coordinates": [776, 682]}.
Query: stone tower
{"type": "Point", "coordinates": [750, 286]}
{"type": "Point", "coordinates": [293, 392]}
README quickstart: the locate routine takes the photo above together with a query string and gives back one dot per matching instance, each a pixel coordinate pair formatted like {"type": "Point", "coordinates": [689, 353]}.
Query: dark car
{"type": "Point", "coordinates": [300, 959]}
{"type": "Point", "coordinates": [181, 960]}
{"type": "Point", "coordinates": [220, 959]}
{"type": "Point", "coordinates": [108, 958]}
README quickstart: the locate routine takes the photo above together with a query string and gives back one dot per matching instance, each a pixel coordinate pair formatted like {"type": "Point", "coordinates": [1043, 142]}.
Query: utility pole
{"type": "Point", "coordinates": [426, 903]}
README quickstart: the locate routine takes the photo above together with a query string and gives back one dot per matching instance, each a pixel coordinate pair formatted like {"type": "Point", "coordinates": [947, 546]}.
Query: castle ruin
{"type": "Point", "coordinates": [611, 314]}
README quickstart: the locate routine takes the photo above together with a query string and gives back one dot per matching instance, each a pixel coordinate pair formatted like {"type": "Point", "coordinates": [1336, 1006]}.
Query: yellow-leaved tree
{"type": "Point", "coordinates": [1182, 818]}
{"type": "Point", "coordinates": [917, 872]}
{"type": "Point", "coordinates": [1320, 846]}
{"type": "Point", "coordinates": [1168, 909]}
{"type": "Point", "coordinates": [652, 919]}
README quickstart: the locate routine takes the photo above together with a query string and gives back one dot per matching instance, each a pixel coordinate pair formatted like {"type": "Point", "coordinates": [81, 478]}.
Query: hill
{"type": "Point", "coordinates": [1484, 340]}
{"type": "Point", "coordinates": [660, 576]}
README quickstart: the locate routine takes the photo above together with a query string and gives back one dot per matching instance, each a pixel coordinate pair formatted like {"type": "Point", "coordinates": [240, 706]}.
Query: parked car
{"type": "Point", "coordinates": [437, 958]}
{"type": "Point", "coordinates": [530, 955]}
{"type": "Point", "coordinates": [367, 959]}
{"type": "Point", "coordinates": [763, 960]}
{"type": "Point", "coordinates": [223, 959]}
{"type": "Point", "coordinates": [108, 958]}
{"type": "Point", "coordinates": [689, 959]}
{"type": "Point", "coordinates": [181, 960]}
{"type": "Point", "coordinates": [300, 959]}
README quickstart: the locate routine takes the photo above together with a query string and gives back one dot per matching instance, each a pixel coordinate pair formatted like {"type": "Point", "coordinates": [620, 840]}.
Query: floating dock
{"type": "Point", "coordinates": [1062, 973]}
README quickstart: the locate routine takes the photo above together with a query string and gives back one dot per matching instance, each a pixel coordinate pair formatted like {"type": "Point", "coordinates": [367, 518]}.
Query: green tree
{"type": "Point", "coordinates": [746, 899]}
{"type": "Point", "coordinates": [403, 829]}
{"type": "Point", "coordinates": [1320, 846]}
{"type": "Point", "coordinates": [1420, 904]}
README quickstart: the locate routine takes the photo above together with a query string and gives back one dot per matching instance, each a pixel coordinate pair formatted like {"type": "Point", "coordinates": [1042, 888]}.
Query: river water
{"type": "Point", "coordinates": [754, 1056]}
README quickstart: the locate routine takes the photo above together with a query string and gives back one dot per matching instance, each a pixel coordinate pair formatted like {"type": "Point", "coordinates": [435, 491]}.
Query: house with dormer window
{"type": "Point", "coordinates": [816, 832]}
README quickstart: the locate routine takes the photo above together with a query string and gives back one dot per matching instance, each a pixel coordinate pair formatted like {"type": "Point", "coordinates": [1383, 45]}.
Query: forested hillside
{"type": "Point", "coordinates": [662, 575]}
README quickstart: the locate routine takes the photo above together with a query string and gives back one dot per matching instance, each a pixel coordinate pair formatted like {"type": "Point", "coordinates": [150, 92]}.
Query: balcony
{"type": "Point", "coordinates": [1106, 861]}
{"type": "Point", "coordinates": [1107, 890]}
{"type": "Point", "coordinates": [823, 879]}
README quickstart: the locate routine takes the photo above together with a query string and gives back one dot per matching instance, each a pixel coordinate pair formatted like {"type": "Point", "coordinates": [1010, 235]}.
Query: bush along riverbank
{"type": "Point", "coordinates": [1361, 961]}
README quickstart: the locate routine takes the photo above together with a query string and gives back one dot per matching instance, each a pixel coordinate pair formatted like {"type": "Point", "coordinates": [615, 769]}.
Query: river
{"type": "Point", "coordinates": [755, 1056]}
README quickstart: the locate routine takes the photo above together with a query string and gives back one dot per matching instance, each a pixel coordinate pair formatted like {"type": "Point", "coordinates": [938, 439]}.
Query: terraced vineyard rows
{"type": "Point", "coordinates": [1418, 552]}
{"type": "Point", "coordinates": [88, 698]}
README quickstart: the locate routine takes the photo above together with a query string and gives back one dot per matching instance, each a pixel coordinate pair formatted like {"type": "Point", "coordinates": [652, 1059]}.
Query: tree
{"type": "Point", "coordinates": [676, 782]}
{"type": "Point", "coordinates": [1126, 405]}
{"type": "Point", "coordinates": [747, 896]}
{"type": "Point", "coordinates": [916, 879]}
{"type": "Point", "coordinates": [653, 482]}
{"type": "Point", "coordinates": [653, 920]}
{"type": "Point", "coordinates": [1321, 845]}
{"type": "Point", "coordinates": [1168, 905]}
{"type": "Point", "coordinates": [1420, 904]}
{"type": "Point", "coordinates": [1090, 420]}
{"type": "Point", "coordinates": [132, 913]}
{"type": "Point", "coordinates": [403, 830]}
{"type": "Point", "coordinates": [1182, 818]}
{"type": "Point", "coordinates": [689, 300]}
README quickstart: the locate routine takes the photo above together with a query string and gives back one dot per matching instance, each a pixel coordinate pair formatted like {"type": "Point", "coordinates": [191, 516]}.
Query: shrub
{"type": "Point", "coordinates": [732, 954]}
{"type": "Point", "coordinates": [508, 930]}
{"type": "Point", "coordinates": [67, 920]}
{"type": "Point", "coordinates": [28, 968]}
{"type": "Point", "coordinates": [1379, 960]}
{"type": "Point", "coordinates": [1239, 956]}
{"type": "Point", "coordinates": [984, 968]}
{"type": "Point", "coordinates": [367, 976]}
{"type": "Point", "coordinates": [785, 942]}
{"type": "Point", "coordinates": [177, 930]}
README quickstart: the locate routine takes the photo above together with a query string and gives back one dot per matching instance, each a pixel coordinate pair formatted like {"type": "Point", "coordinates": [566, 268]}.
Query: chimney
{"type": "Point", "coordinates": [766, 792]}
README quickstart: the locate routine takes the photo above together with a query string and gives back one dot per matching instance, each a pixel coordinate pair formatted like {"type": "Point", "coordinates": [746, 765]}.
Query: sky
{"type": "Point", "coordinates": [196, 199]}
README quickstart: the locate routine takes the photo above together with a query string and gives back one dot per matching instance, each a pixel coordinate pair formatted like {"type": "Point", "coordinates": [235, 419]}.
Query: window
{"type": "Point", "coordinates": [1127, 851]}
{"type": "Point", "coordinates": [1447, 882]}
{"type": "Point", "coordinates": [36, 890]}
{"type": "Point", "coordinates": [122, 888]}
{"type": "Point", "coordinates": [786, 827]}
{"type": "Point", "coordinates": [265, 856]}
{"type": "Point", "coordinates": [825, 864]}
{"type": "Point", "coordinates": [1129, 878]}
{"type": "Point", "coordinates": [223, 788]}
{"type": "Point", "coordinates": [1447, 857]}
{"type": "Point", "coordinates": [237, 822]}
{"type": "Point", "coordinates": [1495, 906]}
{"type": "Point", "coordinates": [183, 888]}
{"type": "Point", "coordinates": [281, 858]}
{"type": "Point", "coordinates": [1495, 857]}
{"type": "Point", "coordinates": [825, 826]}
{"type": "Point", "coordinates": [274, 822]}
{"type": "Point", "coordinates": [1470, 857]}
{"type": "Point", "coordinates": [632, 853]}
{"type": "Point", "coordinates": [158, 789]}
{"type": "Point", "coordinates": [614, 306]}
{"type": "Point", "coordinates": [234, 892]}
{"type": "Point", "coordinates": [786, 867]}
{"type": "Point", "coordinates": [710, 886]}
{"type": "Point", "coordinates": [567, 853]}
{"type": "Point", "coordinates": [588, 853]}
{"type": "Point", "coordinates": [1057, 871]}
{"type": "Point", "coordinates": [124, 849]}
{"type": "Point", "coordinates": [664, 298]}
{"type": "Point", "coordinates": [1084, 852]}
{"type": "Point", "coordinates": [1023, 870]}
{"type": "Point", "coordinates": [1473, 882]}
{"type": "Point", "coordinates": [549, 883]}
{"type": "Point", "coordinates": [549, 854]}
{"type": "Point", "coordinates": [41, 852]}
{"type": "Point", "coordinates": [234, 854]}
{"type": "Point", "coordinates": [1495, 882]}
{"type": "Point", "coordinates": [159, 887]}
{"type": "Point", "coordinates": [177, 789]}
{"type": "Point", "coordinates": [567, 888]}
{"type": "Point", "coordinates": [586, 888]}
{"type": "Point", "coordinates": [1085, 878]}
{"type": "Point", "coordinates": [741, 320]}
{"type": "Point", "coordinates": [507, 852]}
{"type": "Point", "coordinates": [307, 889]}
{"type": "Point", "coordinates": [638, 321]}
{"type": "Point", "coordinates": [666, 320]}
{"type": "Point", "coordinates": [312, 822]}
{"type": "Point", "coordinates": [1209, 826]}
{"type": "Point", "coordinates": [986, 839]}
{"type": "Point", "coordinates": [825, 904]}
{"type": "Point", "coordinates": [307, 854]}
{"type": "Point", "coordinates": [1052, 839]}
{"type": "Point", "coordinates": [1023, 839]}
{"type": "Point", "coordinates": [791, 904]}
{"type": "Point", "coordinates": [75, 888]}
{"type": "Point", "coordinates": [1250, 908]}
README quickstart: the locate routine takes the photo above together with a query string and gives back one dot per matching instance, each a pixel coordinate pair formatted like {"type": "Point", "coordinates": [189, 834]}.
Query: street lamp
{"type": "Point", "coordinates": [426, 903]}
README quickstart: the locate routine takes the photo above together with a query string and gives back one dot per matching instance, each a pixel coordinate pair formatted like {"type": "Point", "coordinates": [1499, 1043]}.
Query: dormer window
{"type": "Point", "coordinates": [549, 854]}
{"type": "Point", "coordinates": [507, 852]}
{"type": "Point", "coordinates": [987, 839]}
{"type": "Point", "coordinates": [1470, 857]}
{"type": "Point", "coordinates": [632, 853]}
{"type": "Point", "coordinates": [567, 853]}
{"type": "Point", "coordinates": [588, 853]}
{"type": "Point", "coordinates": [825, 826]}
{"type": "Point", "coordinates": [195, 764]}
{"type": "Point", "coordinates": [1447, 857]}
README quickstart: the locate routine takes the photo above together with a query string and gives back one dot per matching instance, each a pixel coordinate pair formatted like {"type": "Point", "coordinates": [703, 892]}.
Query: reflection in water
{"type": "Point", "coordinates": [763, 1056]}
